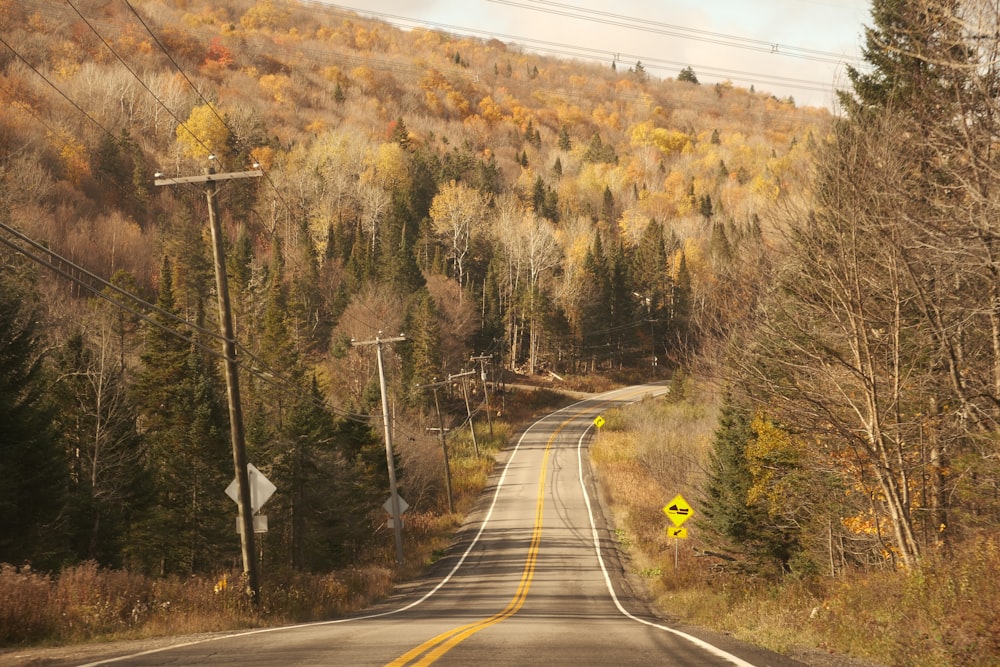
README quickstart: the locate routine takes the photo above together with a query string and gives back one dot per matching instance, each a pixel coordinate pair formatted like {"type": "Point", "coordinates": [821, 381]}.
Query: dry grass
{"type": "Point", "coordinates": [86, 602]}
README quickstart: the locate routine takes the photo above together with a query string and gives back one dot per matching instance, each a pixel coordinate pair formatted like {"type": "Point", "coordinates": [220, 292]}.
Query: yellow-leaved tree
{"type": "Point", "coordinates": [203, 133]}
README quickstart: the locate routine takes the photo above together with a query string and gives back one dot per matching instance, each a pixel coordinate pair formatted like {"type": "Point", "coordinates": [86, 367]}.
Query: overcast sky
{"type": "Point", "coordinates": [787, 47]}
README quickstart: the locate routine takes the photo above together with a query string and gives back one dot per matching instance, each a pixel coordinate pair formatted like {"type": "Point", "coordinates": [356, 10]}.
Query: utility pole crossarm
{"type": "Point", "coordinates": [205, 178]}
{"type": "Point", "coordinates": [377, 340]}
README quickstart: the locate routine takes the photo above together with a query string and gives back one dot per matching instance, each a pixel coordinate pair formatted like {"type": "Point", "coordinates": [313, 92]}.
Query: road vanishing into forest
{"type": "Point", "coordinates": [533, 578]}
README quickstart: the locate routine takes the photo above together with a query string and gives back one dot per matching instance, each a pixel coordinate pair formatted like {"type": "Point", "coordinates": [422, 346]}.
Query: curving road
{"type": "Point", "coordinates": [533, 579]}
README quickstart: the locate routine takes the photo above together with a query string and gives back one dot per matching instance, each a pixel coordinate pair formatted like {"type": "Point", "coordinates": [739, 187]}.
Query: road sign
{"type": "Point", "coordinates": [677, 532]}
{"type": "Point", "coordinates": [678, 510]}
{"type": "Point", "coordinates": [259, 524]}
{"type": "Point", "coordinates": [261, 489]}
{"type": "Point", "coordinates": [599, 421]}
{"type": "Point", "coordinates": [403, 505]}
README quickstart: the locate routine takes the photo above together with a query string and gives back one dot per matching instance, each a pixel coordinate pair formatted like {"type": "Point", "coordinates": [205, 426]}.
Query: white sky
{"type": "Point", "coordinates": [813, 38]}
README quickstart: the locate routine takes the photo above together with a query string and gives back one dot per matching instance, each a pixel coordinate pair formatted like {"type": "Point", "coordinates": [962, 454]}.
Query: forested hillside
{"type": "Point", "coordinates": [548, 215]}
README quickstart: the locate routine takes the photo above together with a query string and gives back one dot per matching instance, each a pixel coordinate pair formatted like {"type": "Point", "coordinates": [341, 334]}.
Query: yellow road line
{"type": "Point", "coordinates": [434, 648]}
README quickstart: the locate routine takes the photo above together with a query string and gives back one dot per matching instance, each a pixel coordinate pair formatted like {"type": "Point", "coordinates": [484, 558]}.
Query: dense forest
{"type": "Point", "coordinates": [836, 277]}
{"type": "Point", "coordinates": [546, 216]}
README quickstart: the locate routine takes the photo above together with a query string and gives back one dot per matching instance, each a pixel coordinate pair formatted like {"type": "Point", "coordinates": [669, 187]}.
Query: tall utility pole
{"type": "Point", "coordinates": [444, 444]}
{"type": "Point", "coordinates": [468, 408]}
{"type": "Point", "coordinates": [247, 546]}
{"type": "Point", "coordinates": [482, 359]}
{"type": "Point", "coordinates": [397, 520]}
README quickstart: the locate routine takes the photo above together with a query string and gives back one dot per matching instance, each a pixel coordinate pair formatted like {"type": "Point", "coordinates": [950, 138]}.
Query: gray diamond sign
{"type": "Point", "coordinates": [403, 505]}
{"type": "Point", "coordinates": [261, 489]}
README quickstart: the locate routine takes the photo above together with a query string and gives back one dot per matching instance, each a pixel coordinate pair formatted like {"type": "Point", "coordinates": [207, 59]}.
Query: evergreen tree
{"type": "Point", "coordinates": [565, 143]}
{"type": "Point", "coordinates": [727, 513]}
{"type": "Point", "coordinates": [550, 208]}
{"type": "Point", "coordinates": [599, 152]}
{"type": "Point", "coordinates": [737, 513]}
{"type": "Point", "coordinates": [608, 206]}
{"type": "Point", "coordinates": [312, 476]}
{"type": "Point", "coordinates": [651, 281]}
{"type": "Point", "coordinates": [186, 450]}
{"type": "Point", "coordinates": [911, 49]}
{"type": "Point", "coordinates": [33, 468]}
{"type": "Point", "coordinates": [621, 303]}
{"type": "Point", "coordinates": [594, 322]}
{"type": "Point", "coordinates": [399, 268]}
{"type": "Point", "coordinates": [276, 346]}
{"type": "Point", "coordinates": [98, 427]}
{"type": "Point", "coordinates": [538, 194]}
{"type": "Point", "coordinates": [705, 207]}
{"type": "Point", "coordinates": [400, 133]}
{"type": "Point", "coordinates": [687, 75]}
{"type": "Point", "coordinates": [421, 357]}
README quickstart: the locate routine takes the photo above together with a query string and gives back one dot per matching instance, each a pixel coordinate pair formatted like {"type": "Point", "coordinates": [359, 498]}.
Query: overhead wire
{"type": "Point", "coordinates": [697, 34]}
{"type": "Point", "coordinates": [162, 47]}
{"type": "Point", "coordinates": [108, 291]}
{"type": "Point", "coordinates": [267, 374]}
{"type": "Point", "coordinates": [592, 53]}
{"type": "Point", "coordinates": [138, 78]}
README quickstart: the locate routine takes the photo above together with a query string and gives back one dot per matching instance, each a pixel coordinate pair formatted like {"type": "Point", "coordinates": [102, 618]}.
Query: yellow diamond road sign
{"type": "Point", "coordinates": [678, 510]}
{"type": "Point", "coordinates": [599, 421]}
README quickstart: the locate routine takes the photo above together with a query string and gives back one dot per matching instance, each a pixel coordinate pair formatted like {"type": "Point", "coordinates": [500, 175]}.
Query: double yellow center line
{"type": "Point", "coordinates": [432, 649]}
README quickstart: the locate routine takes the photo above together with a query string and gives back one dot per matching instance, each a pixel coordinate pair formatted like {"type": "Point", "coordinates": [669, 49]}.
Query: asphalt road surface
{"type": "Point", "coordinates": [532, 579]}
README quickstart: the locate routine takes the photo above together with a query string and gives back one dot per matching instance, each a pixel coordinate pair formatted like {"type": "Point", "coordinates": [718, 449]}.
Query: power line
{"type": "Point", "coordinates": [105, 290]}
{"type": "Point", "coordinates": [697, 34]}
{"type": "Point", "coordinates": [592, 53]}
{"type": "Point", "coordinates": [136, 76]}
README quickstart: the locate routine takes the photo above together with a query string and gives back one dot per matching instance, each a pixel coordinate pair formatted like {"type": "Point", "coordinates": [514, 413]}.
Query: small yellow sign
{"type": "Point", "coordinates": [677, 532]}
{"type": "Point", "coordinates": [599, 421]}
{"type": "Point", "coordinates": [678, 510]}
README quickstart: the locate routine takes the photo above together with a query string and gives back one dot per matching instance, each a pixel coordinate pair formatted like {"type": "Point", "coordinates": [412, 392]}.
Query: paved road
{"type": "Point", "coordinates": [533, 580]}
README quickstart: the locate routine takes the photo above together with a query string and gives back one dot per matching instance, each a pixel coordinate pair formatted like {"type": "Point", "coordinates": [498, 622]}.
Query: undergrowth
{"type": "Point", "coordinates": [943, 614]}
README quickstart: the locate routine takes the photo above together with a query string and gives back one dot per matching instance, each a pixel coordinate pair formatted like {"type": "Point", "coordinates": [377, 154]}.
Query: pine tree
{"type": "Point", "coordinates": [185, 446]}
{"type": "Point", "coordinates": [34, 471]}
{"type": "Point", "coordinates": [422, 355]}
{"type": "Point", "coordinates": [594, 322]}
{"type": "Point", "coordinates": [727, 513]}
{"type": "Point", "coordinates": [911, 49]}
{"type": "Point", "coordinates": [687, 75]}
{"type": "Point", "coordinates": [736, 512]}
{"type": "Point", "coordinates": [565, 144]}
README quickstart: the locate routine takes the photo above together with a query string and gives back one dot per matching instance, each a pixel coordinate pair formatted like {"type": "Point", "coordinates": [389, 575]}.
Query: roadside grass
{"type": "Point", "coordinates": [945, 614]}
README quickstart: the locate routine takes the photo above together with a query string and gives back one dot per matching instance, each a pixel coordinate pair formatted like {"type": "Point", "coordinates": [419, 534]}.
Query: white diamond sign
{"type": "Point", "coordinates": [403, 505]}
{"type": "Point", "coordinates": [261, 489]}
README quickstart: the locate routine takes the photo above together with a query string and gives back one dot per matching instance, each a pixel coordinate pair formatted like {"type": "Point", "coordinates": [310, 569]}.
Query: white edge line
{"type": "Point", "coordinates": [714, 650]}
{"type": "Point", "coordinates": [445, 580]}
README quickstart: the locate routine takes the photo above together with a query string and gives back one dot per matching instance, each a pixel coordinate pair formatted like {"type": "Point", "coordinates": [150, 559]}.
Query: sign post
{"type": "Point", "coordinates": [678, 511]}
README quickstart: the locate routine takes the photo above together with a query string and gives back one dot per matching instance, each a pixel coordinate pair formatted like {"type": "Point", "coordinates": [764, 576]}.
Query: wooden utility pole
{"type": "Point", "coordinates": [444, 444]}
{"type": "Point", "coordinates": [397, 519]}
{"type": "Point", "coordinates": [210, 178]}
{"type": "Point", "coordinates": [468, 408]}
{"type": "Point", "coordinates": [486, 391]}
